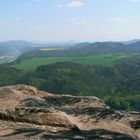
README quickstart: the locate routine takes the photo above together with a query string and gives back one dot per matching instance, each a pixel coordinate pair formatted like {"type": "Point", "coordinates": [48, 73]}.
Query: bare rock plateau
{"type": "Point", "coordinates": [29, 114]}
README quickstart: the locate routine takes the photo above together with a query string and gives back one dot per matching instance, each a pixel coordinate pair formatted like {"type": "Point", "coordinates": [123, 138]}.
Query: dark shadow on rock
{"type": "Point", "coordinates": [26, 131]}
{"type": "Point", "coordinates": [60, 102]}
{"type": "Point", "coordinates": [98, 134]}
{"type": "Point", "coordinates": [135, 124]}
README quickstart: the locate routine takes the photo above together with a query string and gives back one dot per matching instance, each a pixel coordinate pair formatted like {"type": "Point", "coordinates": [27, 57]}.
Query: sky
{"type": "Point", "coordinates": [69, 20]}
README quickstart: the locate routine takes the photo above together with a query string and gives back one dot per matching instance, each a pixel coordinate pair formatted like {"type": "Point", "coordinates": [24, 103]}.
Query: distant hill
{"type": "Point", "coordinates": [131, 41]}
{"type": "Point", "coordinates": [70, 49]}
{"type": "Point", "coordinates": [16, 43]}
{"type": "Point", "coordinates": [29, 50]}
{"type": "Point", "coordinates": [10, 50]}
{"type": "Point", "coordinates": [105, 47]}
{"type": "Point", "coordinates": [84, 49]}
{"type": "Point", "coordinates": [15, 46]}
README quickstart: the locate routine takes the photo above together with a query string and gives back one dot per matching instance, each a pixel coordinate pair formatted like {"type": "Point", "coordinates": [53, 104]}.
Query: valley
{"type": "Point", "coordinates": [6, 59]}
{"type": "Point", "coordinates": [69, 69]}
{"type": "Point", "coordinates": [112, 74]}
{"type": "Point", "coordinates": [99, 59]}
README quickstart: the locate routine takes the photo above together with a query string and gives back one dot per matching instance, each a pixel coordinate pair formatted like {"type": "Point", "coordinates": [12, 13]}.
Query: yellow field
{"type": "Point", "coordinates": [51, 49]}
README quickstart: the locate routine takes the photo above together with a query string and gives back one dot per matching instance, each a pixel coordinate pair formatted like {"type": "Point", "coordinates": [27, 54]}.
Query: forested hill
{"type": "Point", "coordinates": [118, 85]}
{"type": "Point", "coordinates": [84, 49]}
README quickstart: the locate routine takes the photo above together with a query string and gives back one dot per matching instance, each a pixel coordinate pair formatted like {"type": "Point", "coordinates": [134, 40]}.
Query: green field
{"type": "Point", "coordinates": [100, 59]}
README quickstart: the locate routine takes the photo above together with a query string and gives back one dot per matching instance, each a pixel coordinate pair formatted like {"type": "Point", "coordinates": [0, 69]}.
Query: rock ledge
{"type": "Point", "coordinates": [27, 113]}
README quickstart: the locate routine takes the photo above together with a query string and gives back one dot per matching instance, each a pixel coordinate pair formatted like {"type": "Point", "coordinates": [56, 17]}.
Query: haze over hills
{"type": "Point", "coordinates": [131, 41]}
{"type": "Point", "coordinates": [84, 49]}
{"type": "Point", "coordinates": [10, 50]}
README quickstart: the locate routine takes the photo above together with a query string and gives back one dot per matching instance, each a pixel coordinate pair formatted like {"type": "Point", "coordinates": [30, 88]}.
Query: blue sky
{"type": "Point", "coordinates": [64, 20]}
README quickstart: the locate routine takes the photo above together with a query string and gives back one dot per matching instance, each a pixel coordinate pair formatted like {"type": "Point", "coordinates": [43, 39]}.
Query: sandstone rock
{"type": "Point", "coordinates": [26, 113]}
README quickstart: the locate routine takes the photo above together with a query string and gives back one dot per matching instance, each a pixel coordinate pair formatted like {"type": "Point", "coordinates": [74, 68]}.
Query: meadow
{"type": "Point", "coordinates": [99, 59]}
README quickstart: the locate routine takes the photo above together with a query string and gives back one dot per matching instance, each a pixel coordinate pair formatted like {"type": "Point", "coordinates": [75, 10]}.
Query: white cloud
{"type": "Point", "coordinates": [76, 3]}
{"type": "Point", "coordinates": [119, 20]}
{"type": "Point", "coordinates": [134, 0]}
{"type": "Point", "coordinates": [73, 4]}
{"type": "Point", "coordinates": [79, 23]}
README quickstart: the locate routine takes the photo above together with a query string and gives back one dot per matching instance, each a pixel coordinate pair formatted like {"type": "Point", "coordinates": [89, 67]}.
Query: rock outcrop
{"type": "Point", "coordinates": [27, 114]}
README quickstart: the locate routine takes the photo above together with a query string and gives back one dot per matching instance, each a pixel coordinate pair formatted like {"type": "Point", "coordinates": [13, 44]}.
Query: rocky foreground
{"type": "Point", "coordinates": [29, 114]}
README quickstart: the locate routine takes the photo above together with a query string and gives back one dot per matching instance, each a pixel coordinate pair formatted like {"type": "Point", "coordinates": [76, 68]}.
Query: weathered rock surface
{"type": "Point", "coordinates": [29, 114]}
